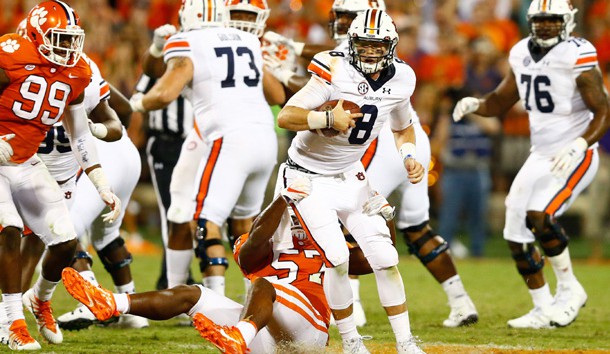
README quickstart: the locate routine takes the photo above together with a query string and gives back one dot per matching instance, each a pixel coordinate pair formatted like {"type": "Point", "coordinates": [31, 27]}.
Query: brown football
{"type": "Point", "coordinates": [329, 105]}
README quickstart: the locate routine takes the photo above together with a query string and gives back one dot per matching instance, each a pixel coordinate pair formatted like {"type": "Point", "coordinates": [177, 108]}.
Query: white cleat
{"type": "Point", "coordinates": [20, 338]}
{"type": "Point", "coordinates": [570, 297]}
{"type": "Point", "coordinates": [409, 347]}
{"type": "Point", "coordinates": [359, 316]}
{"type": "Point", "coordinates": [47, 326]}
{"type": "Point", "coordinates": [462, 314]}
{"type": "Point", "coordinates": [354, 346]}
{"type": "Point", "coordinates": [132, 321]}
{"type": "Point", "coordinates": [535, 319]}
{"type": "Point", "coordinates": [4, 335]}
{"type": "Point", "coordinates": [81, 318]}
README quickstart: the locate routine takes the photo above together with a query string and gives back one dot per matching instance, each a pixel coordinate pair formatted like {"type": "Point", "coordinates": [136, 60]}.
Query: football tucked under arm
{"type": "Point", "coordinates": [328, 106]}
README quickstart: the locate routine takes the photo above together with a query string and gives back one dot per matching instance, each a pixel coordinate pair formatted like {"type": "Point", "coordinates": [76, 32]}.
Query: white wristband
{"type": "Point", "coordinates": [155, 52]}
{"type": "Point", "coordinates": [320, 120]}
{"type": "Point", "coordinates": [98, 178]}
{"type": "Point", "coordinates": [137, 105]}
{"type": "Point", "coordinates": [298, 48]}
{"type": "Point", "coordinates": [407, 150]}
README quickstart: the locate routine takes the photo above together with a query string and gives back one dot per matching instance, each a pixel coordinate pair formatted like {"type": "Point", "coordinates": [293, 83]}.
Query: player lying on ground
{"type": "Point", "coordinates": [286, 302]}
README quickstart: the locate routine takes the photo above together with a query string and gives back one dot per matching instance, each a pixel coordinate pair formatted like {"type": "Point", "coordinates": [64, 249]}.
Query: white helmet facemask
{"type": "Point", "coordinates": [541, 15]}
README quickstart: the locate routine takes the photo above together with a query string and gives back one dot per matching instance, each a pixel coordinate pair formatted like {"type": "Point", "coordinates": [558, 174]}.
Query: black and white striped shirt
{"type": "Point", "coordinates": [175, 120]}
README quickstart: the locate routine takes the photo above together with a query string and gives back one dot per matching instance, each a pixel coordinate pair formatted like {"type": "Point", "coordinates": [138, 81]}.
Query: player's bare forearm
{"type": "Point", "coordinates": [164, 304]}
{"type": "Point", "coordinates": [273, 89]}
{"type": "Point", "coordinates": [310, 50]}
{"type": "Point", "coordinates": [500, 100]}
{"type": "Point", "coordinates": [102, 113]}
{"type": "Point", "coordinates": [293, 118]}
{"type": "Point", "coordinates": [153, 67]}
{"type": "Point", "coordinates": [591, 87]}
{"type": "Point", "coordinates": [179, 73]}
{"type": "Point", "coordinates": [406, 135]}
{"type": "Point", "coordinates": [257, 250]}
{"type": "Point", "coordinates": [120, 104]}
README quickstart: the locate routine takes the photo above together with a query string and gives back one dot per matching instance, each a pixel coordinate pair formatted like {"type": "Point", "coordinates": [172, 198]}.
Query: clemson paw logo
{"type": "Point", "coordinates": [38, 17]}
{"type": "Point", "coordinates": [10, 46]}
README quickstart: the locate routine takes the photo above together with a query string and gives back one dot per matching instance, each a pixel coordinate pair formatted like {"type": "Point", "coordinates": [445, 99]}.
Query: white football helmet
{"type": "Point", "coordinates": [372, 41]}
{"type": "Point", "coordinates": [258, 7]}
{"type": "Point", "coordinates": [349, 9]}
{"type": "Point", "coordinates": [196, 14]}
{"type": "Point", "coordinates": [547, 36]}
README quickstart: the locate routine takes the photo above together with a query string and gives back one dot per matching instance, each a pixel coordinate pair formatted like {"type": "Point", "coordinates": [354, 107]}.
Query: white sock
{"type": "Point", "coordinates": [90, 277]}
{"type": "Point", "coordinates": [454, 288]}
{"type": "Point", "coordinates": [562, 266]}
{"type": "Point", "coordinates": [355, 284]}
{"type": "Point", "coordinates": [178, 263]}
{"type": "Point", "coordinates": [347, 328]}
{"type": "Point", "coordinates": [13, 306]}
{"type": "Point", "coordinates": [3, 316]}
{"type": "Point", "coordinates": [542, 297]}
{"type": "Point", "coordinates": [122, 302]}
{"type": "Point", "coordinates": [216, 283]}
{"type": "Point", "coordinates": [401, 326]}
{"type": "Point", "coordinates": [43, 289]}
{"type": "Point", "coordinates": [128, 288]}
{"type": "Point", "coordinates": [248, 330]}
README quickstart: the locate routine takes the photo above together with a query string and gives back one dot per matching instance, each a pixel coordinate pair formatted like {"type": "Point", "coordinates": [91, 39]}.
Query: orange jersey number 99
{"type": "Point", "coordinates": [39, 99]}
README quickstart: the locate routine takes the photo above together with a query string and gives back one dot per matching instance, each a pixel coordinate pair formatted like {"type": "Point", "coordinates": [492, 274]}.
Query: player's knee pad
{"type": "Point", "coordinates": [428, 246]}
{"type": "Point", "coordinates": [383, 255]}
{"type": "Point", "coordinates": [524, 255]}
{"type": "Point", "coordinates": [82, 255]}
{"type": "Point", "coordinates": [205, 261]}
{"type": "Point", "coordinates": [553, 239]}
{"type": "Point", "coordinates": [106, 254]}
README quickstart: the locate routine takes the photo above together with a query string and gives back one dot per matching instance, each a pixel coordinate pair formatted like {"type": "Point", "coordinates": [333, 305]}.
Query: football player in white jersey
{"type": "Point", "coordinates": [371, 76]}
{"type": "Point", "coordinates": [386, 172]}
{"type": "Point", "coordinates": [557, 79]}
{"type": "Point", "coordinates": [222, 72]}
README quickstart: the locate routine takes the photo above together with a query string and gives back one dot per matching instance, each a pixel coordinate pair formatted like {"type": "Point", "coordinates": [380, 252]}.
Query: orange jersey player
{"type": "Point", "coordinates": [42, 79]}
{"type": "Point", "coordinates": [285, 304]}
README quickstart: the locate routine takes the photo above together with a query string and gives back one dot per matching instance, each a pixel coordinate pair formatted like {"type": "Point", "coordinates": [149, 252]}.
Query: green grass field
{"type": "Point", "coordinates": [493, 284]}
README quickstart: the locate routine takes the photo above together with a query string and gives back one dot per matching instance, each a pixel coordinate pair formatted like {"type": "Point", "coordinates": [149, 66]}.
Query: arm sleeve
{"type": "Point", "coordinates": [312, 95]}
{"type": "Point", "coordinates": [401, 117]}
{"type": "Point", "coordinates": [81, 140]}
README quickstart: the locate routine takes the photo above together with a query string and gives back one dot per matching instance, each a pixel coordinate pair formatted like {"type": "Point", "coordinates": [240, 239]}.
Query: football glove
{"type": "Point", "coordinates": [465, 106]}
{"type": "Point", "coordinates": [98, 130]}
{"type": "Point", "coordinates": [565, 161]}
{"type": "Point", "coordinates": [377, 204]}
{"type": "Point", "coordinates": [297, 190]}
{"type": "Point", "coordinates": [274, 66]}
{"type": "Point", "coordinates": [98, 178]}
{"type": "Point", "coordinates": [6, 150]}
{"type": "Point", "coordinates": [160, 36]}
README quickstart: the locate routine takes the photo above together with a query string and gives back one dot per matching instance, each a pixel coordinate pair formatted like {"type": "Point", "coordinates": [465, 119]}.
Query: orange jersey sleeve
{"type": "Point", "coordinates": [37, 95]}
{"type": "Point", "coordinates": [303, 268]}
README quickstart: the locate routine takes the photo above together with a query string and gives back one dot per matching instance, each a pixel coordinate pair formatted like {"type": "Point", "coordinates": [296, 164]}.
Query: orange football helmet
{"type": "Point", "coordinates": [53, 27]}
{"type": "Point", "coordinates": [258, 7]}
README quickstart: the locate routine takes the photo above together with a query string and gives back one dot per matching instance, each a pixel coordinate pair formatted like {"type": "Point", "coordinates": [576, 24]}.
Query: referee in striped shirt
{"type": "Point", "coordinates": [167, 129]}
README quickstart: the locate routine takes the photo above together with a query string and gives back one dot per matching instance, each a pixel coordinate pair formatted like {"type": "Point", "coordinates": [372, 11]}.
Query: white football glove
{"type": "Point", "coordinates": [160, 36]}
{"type": "Point", "coordinates": [565, 161]}
{"type": "Point", "coordinates": [297, 190]}
{"type": "Point", "coordinates": [274, 66]}
{"type": "Point", "coordinates": [98, 130]}
{"type": "Point", "coordinates": [6, 150]}
{"type": "Point", "coordinates": [377, 204]}
{"type": "Point", "coordinates": [113, 202]}
{"type": "Point", "coordinates": [136, 102]}
{"type": "Point", "coordinates": [279, 41]}
{"type": "Point", "coordinates": [464, 106]}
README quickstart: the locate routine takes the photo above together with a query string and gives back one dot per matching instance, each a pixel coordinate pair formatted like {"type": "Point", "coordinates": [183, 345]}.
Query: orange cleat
{"type": "Point", "coordinates": [228, 339]}
{"type": "Point", "coordinates": [19, 337]}
{"type": "Point", "coordinates": [97, 299]}
{"type": "Point", "coordinates": [47, 326]}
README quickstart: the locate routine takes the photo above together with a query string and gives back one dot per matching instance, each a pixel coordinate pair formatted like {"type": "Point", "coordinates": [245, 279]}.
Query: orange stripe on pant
{"type": "Point", "coordinates": [296, 308]}
{"type": "Point", "coordinates": [206, 177]}
{"type": "Point", "coordinates": [565, 193]}
{"type": "Point", "coordinates": [369, 154]}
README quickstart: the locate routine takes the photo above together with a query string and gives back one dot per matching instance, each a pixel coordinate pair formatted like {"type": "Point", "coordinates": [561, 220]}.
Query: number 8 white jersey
{"type": "Point", "coordinates": [547, 88]}
{"type": "Point", "coordinates": [227, 87]}
{"type": "Point", "coordinates": [333, 78]}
